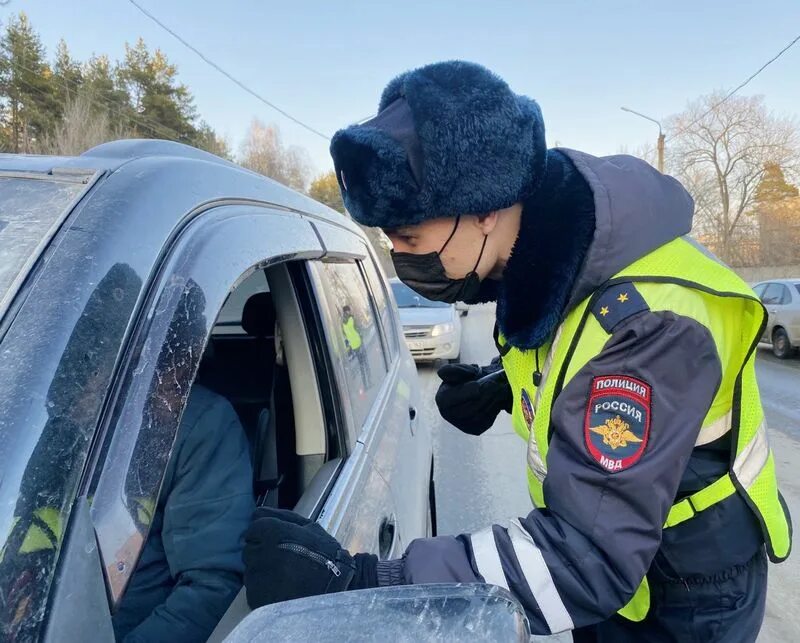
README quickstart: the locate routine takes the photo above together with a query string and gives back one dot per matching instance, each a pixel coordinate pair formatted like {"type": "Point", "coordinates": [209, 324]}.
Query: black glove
{"type": "Point", "coordinates": [471, 396]}
{"type": "Point", "coordinates": [287, 556]}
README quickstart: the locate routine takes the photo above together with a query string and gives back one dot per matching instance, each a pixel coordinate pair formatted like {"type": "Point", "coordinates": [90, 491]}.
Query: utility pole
{"type": "Point", "coordinates": [660, 137]}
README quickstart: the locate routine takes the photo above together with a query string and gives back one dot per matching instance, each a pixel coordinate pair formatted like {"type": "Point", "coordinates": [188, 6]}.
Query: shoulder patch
{"type": "Point", "coordinates": [616, 304]}
{"type": "Point", "coordinates": [617, 423]}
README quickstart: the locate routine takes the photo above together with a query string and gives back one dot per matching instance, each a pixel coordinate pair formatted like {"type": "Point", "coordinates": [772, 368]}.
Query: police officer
{"type": "Point", "coordinates": [628, 365]}
{"type": "Point", "coordinates": [355, 346]}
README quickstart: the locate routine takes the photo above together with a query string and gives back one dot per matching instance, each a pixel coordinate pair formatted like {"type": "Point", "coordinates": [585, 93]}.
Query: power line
{"type": "Point", "coordinates": [152, 126]}
{"type": "Point", "coordinates": [736, 89]}
{"type": "Point", "coordinates": [227, 75]}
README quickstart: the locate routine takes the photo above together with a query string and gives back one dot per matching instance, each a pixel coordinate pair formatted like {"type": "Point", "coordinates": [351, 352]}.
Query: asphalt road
{"type": "Point", "coordinates": [482, 480]}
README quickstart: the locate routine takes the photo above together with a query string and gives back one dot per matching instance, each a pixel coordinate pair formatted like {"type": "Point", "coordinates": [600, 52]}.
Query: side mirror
{"type": "Point", "coordinates": [417, 613]}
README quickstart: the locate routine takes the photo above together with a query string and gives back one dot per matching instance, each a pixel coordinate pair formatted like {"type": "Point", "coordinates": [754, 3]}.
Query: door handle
{"type": "Point", "coordinates": [412, 415]}
{"type": "Point", "coordinates": [387, 533]}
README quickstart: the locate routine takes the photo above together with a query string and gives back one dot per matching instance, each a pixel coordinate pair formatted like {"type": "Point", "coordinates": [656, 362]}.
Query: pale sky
{"type": "Point", "coordinates": [327, 62]}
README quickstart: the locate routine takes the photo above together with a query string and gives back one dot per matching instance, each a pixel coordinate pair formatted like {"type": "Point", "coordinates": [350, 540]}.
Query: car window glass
{"type": "Point", "coordinates": [353, 336]}
{"type": "Point", "coordinates": [785, 297]}
{"type": "Point", "coordinates": [28, 211]}
{"type": "Point", "coordinates": [759, 289]}
{"type": "Point", "coordinates": [377, 286]}
{"type": "Point", "coordinates": [797, 286]}
{"type": "Point", "coordinates": [225, 432]}
{"type": "Point", "coordinates": [772, 294]}
{"type": "Point", "coordinates": [407, 298]}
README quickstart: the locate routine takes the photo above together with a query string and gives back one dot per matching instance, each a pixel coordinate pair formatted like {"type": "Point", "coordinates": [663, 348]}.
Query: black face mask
{"type": "Point", "coordinates": [425, 274]}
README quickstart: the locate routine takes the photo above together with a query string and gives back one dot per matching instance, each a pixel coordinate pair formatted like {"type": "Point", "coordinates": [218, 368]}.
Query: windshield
{"type": "Point", "coordinates": [30, 209]}
{"type": "Point", "coordinates": [407, 298]}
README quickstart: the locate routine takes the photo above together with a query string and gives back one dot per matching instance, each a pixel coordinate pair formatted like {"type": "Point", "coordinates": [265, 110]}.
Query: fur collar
{"type": "Point", "coordinates": [555, 233]}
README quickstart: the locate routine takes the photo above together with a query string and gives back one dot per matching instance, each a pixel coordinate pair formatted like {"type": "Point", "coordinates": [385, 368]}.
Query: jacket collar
{"type": "Point", "coordinates": [556, 230]}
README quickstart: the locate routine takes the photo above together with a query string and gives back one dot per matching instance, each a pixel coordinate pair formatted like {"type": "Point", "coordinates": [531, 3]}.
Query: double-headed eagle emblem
{"type": "Point", "coordinates": [616, 432]}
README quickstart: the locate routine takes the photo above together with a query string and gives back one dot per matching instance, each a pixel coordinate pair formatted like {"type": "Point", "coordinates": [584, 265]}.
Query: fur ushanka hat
{"type": "Point", "coordinates": [450, 138]}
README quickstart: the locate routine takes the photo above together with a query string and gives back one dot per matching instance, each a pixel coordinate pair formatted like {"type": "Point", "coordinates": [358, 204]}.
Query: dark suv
{"type": "Point", "coordinates": [133, 271]}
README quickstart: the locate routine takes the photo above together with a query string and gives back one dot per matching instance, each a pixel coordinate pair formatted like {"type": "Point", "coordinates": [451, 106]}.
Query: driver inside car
{"type": "Point", "coordinates": [191, 567]}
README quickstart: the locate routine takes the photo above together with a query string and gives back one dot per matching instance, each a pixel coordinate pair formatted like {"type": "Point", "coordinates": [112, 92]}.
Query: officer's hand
{"type": "Point", "coordinates": [287, 556]}
{"type": "Point", "coordinates": [471, 396]}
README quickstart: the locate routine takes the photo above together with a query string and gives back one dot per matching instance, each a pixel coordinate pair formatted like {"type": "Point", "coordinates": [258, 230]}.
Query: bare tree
{"type": "Point", "coordinates": [263, 151]}
{"type": "Point", "coordinates": [719, 153]}
{"type": "Point", "coordinates": [82, 126]}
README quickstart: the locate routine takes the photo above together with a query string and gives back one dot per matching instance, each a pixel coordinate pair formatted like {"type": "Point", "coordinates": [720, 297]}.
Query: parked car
{"type": "Point", "coordinates": [782, 300]}
{"type": "Point", "coordinates": [432, 328]}
{"type": "Point", "coordinates": [124, 276]}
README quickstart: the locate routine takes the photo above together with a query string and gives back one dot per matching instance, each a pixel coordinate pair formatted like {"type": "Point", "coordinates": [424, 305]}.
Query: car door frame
{"type": "Point", "coordinates": [348, 497]}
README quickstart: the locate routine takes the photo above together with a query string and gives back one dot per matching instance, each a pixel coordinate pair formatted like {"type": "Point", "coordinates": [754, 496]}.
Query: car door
{"type": "Point", "coordinates": [793, 312]}
{"type": "Point", "coordinates": [788, 311]}
{"type": "Point", "coordinates": [413, 502]}
{"type": "Point", "coordinates": [383, 423]}
{"type": "Point", "coordinates": [217, 249]}
{"type": "Point", "coordinates": [771, 298]}
{"type": "Point", "coordinates": [759, 289]}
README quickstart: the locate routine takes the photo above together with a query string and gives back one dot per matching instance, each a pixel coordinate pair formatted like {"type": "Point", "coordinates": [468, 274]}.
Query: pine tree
{"type": "Point", "coordinates": [104, 90]}
{"type": "Point", "coordinates": [207, 139]}
{"type": "Point", "coordinates": [27, 87]}
{"type": "Point", "coordinates": [156, 94]}
{"type": "Point", "coordinates": [67, 75]}
{"type": "Point", "coordinates": [773, 186]}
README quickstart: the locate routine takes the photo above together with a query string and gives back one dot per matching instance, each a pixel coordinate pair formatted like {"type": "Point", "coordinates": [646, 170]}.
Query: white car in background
{"type": "Point", "coordinates": [781, 297]}
{"type": "Point", "coordinates": [432, 328]}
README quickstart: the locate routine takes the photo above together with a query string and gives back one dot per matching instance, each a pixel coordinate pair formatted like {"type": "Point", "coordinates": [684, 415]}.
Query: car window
{"type": "Point", "coordinates": [785, 297]}
{"type": "Point", "coordinates": [29, 210]}
{"type": "Point", "coordinates": [377, 286]}
{"type": "Point", "coordinates": [759, 289]}
{"type": "Point", "coordinates": [175, 353]}
{"type": "Point", "coordinates": [772, 294]}
{"type": "Point", "coordinates": [407, 298]}
{"type": "Point", "coordinates": [352, 332]}
{"type": "Point", "coordinates": [229, 321]}
{"type": "Point", "coordinates": [797, 287]}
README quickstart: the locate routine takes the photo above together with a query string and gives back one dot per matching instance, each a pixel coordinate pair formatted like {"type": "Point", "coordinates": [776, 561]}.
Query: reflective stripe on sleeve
{"type": "Point", "coordinates": [539, 579]}
{"type": "Point", "coordinates": [484, 550]}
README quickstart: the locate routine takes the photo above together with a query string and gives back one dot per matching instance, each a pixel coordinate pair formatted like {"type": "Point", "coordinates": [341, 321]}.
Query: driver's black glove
{"type": "Point", "coordinates": [471, 396]}
{"type": "Point", "coordinates": [287, 556]}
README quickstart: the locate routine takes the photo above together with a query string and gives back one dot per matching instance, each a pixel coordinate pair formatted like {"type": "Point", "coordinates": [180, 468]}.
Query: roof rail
{"type": "Point", "coordinates": [139, 147]}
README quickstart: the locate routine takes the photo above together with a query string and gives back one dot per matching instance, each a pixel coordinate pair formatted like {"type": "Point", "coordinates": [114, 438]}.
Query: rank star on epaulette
{"type": "Point", "coordinates": [616, 303]}
{"type": "Point", "coordinates": [617, 423]}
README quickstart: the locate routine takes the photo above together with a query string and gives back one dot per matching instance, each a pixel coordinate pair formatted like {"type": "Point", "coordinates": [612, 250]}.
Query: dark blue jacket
{"type": "Point", "coordinates": [191, 567]}
{"type": "Point", "coordinates": [579, 560]}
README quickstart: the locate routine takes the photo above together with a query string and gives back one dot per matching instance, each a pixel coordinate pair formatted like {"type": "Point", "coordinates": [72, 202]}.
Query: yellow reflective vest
{"type": "Point", "coordinates": [682, 278]}
{"type": "Point", "coordinates": [351, 335]}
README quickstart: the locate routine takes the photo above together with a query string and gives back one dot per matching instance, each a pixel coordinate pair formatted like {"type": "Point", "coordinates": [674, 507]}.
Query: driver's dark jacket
{"type": "Point", "coordinates": [191, 567]}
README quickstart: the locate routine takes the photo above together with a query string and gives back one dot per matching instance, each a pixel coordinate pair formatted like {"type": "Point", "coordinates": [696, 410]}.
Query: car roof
{"type": "Point", "coordinates": [168, 158]}
{"type": "Point", "coordinates": [784, 280]}
{"type": "Point", "coordinates": [138, 193]}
